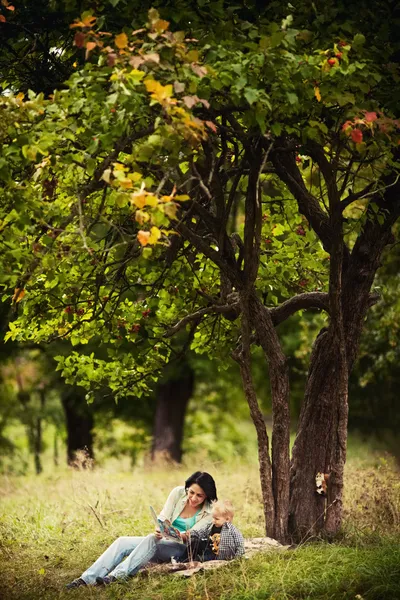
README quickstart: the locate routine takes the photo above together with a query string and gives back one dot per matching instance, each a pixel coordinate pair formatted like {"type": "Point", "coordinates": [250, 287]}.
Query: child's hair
{"type": "Point", "coordinates": [224, 508]}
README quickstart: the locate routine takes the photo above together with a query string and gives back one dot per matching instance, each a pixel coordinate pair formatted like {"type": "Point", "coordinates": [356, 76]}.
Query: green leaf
{"type": "Point", "coordinates": [359, 40]}
{"type": "Point", "coordinates": [276, 129]}
{"type": "Point", "coordinates": [292, 97]}
{"type": "Point", "coordinates": [251, 95]}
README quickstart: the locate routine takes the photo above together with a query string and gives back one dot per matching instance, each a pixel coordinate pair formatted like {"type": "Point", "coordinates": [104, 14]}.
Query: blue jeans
{"type": "Point", "coordinates": [137, 552]}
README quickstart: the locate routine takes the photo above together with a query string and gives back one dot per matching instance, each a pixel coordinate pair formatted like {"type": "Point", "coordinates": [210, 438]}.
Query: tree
{"type": "Point", "coordinates": [134, 209]}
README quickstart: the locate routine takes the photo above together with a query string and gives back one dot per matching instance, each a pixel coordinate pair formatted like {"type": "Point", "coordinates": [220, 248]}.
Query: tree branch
{"type": "Point", "coordinates": [287, 170]}
{"type": "Point", "coordinates": [196, 316]}
{"type": "Point", "coordinates": [299, 302]}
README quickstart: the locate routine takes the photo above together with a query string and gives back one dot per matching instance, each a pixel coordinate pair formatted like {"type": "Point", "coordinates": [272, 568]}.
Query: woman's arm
{"type": "Point", "coordinates": [202, 523]}
{"type": "Point", "coordinates": [168, 508]}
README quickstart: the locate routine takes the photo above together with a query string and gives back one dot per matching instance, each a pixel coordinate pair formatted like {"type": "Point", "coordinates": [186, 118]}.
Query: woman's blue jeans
{"type": "Point", "coordinates": [137, 552]}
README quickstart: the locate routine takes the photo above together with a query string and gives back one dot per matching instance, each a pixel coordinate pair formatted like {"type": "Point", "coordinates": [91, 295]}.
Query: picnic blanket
{"type": "Point", "coordinates": [252, 546]}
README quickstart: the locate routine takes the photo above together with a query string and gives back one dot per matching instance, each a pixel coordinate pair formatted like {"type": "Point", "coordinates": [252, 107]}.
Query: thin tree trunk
{"type": "Point", "coordinates": [173, 396]}
{"type": "Point", "coordinates": [37, 435]}
{"type": "Point", "coordinates": [243, 357]}
{"type": "Point", "coordinates": [55, 448]}
{"type": "Point", "coordinates": [279, 382]}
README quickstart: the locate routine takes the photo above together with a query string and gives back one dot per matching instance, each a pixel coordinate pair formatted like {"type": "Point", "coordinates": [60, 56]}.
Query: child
{"type": "Point", "coordinates": [220, 540]}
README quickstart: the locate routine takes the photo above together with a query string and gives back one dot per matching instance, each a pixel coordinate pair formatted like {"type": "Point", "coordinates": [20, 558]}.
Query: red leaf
{"type": "Point", "coordinates": [2, 19]}
{"type": "Point", "coordinates": [370, 117]}
{"type": "Point", "coordinates": [357, 136]}
{"type": "Point", "coordinates": [79, 39]}
{"type": "Point", "coordinates": [111, 59]}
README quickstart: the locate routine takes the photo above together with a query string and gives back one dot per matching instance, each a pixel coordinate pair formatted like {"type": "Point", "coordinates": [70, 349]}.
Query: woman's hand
{"type": "Point", "coordinates": [158, 534]}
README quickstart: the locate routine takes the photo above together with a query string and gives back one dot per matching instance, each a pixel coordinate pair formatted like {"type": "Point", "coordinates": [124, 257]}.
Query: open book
{"type": "Point", "coordinates": [167, 531]}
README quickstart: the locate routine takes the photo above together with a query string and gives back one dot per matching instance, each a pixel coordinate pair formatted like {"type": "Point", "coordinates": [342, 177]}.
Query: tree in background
{"type": "Point", "coordinates": [146, 180]}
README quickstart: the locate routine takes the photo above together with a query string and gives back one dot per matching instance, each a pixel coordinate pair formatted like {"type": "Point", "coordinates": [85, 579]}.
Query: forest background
{"type": "Point", "coordinates": [196, 412]}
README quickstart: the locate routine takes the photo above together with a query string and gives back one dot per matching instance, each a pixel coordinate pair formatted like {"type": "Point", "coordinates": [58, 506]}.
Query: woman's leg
{"type": "Point", "coordinates": [122, 547]}
{"type": "Point", "coordinates": [140, 556]}
{"type": "Point", "coordinates": [149, 547]}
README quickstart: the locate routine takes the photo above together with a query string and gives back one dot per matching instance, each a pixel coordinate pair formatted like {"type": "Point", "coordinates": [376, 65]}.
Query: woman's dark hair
{"type": "Point", "coordinates": [206, 482]}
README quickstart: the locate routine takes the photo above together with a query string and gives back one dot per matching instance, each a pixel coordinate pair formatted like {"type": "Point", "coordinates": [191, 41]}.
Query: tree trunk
{"type": "Point", "coordinates": [243, 357]}
{"type": "Point", "coordinates": [173, 396]}
{"type": "Point", "coordinates": [37, 434]}
{"type": "Point", "coordinates": [79, 423]}
{"type": "Point", "coordinates": [320, 442]}
{"type": "Point", "coordinates": [279, 381]}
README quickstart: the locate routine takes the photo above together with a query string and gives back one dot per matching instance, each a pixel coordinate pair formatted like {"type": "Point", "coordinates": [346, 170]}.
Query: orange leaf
{"type": "Point", "coordinates": [2, 19]}
{"type": "Point", "coordinates": [89, 47]}
{"type": "Point", "coordinates": [143, 237]}
{"type": "Point", "coordinates": [139, 199]}
{"type": "Point", "coordinates": [121, 41]}
{"type": "Point", "coordinates": [211, 126]}
{"type": "Point", "coordinates": [160, 25]}
{"type": "Point", "coordinates": [158, 92]}
{"type": "Point", "coordinates": [317, 94]}
{"type": "Point", "coordinates": [88, 21]}
{"type": "Point", "coordinates": [10, 7]}
{"type": "Point", "coordinates": [18, 295]}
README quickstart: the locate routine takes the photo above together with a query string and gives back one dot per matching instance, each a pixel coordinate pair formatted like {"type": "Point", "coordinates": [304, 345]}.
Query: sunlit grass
{"type": "Point", "coordinates": [53, 526]}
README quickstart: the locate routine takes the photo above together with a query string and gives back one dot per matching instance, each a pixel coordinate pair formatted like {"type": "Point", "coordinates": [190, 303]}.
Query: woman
{"type": "Point", "coordinates": [187, 507]}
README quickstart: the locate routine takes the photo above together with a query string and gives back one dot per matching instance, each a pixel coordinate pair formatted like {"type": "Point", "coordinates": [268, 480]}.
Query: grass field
{"type": "Point", "coordinates": [53, 526]}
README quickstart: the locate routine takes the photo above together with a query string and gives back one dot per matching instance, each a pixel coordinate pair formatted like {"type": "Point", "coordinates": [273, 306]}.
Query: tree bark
{"type": "Point", "coordinates": [279, 382]}
{"type": "Point", "coordinates": [320, 444]}
{"type": "Point", "coordinates": [37, 435]}
{"type": "Point", "coordinates": [173, 396]}
{"type": "Point", "coordinates": [79, 423]}
{"type": "Point", "coordinates": [317, 447]}
{"type": "Point", "coordinates": [243, 358]}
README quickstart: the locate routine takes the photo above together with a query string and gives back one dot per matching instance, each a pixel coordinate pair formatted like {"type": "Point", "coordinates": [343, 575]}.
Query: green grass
{"type": "Point", "coordinates": [53, 526]}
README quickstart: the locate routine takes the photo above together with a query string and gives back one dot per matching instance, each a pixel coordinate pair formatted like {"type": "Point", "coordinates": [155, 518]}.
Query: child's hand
{"type": "Point", "coordinates": [157, 533]}
{"type": "Point", "coordinates": [193, 564]}
{"type": "Point", "coordinates": [184, 537]}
